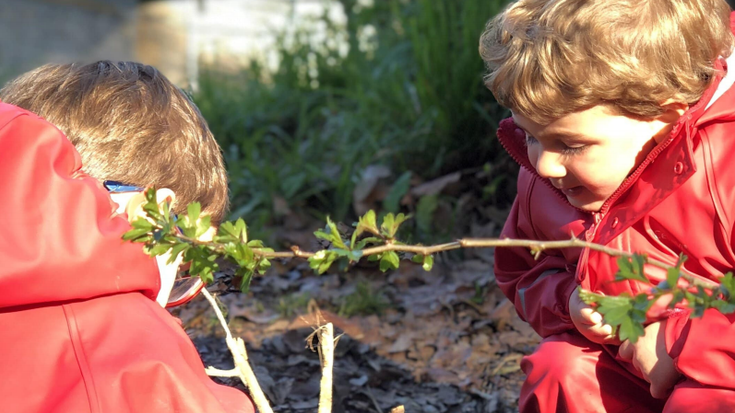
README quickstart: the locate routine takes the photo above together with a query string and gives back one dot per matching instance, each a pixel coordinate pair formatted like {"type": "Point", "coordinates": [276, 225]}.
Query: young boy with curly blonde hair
{"type": "Point", "coordinates": [623, 118]}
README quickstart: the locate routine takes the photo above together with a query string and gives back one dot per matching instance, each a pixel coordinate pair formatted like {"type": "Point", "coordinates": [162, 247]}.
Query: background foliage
{"type": "Point", "coordinates": [406, 94]}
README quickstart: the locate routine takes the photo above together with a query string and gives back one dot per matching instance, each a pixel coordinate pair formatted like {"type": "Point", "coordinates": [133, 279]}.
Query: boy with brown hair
{"type": "Point", "coordinates": [82, 331]}
{"type": "Point", "coordinates": [622, 121]}
{"type": "Point", "coordinates": [133, 128]}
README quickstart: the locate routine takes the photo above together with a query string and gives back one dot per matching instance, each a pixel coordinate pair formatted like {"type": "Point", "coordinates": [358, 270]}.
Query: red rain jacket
{"type": "Point", "coordinates": [681, 199]}
{"type": "Point", "coordinates": [79, 328]}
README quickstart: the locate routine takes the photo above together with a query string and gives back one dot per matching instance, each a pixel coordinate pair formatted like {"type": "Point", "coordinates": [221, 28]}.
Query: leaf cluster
{"type": "Point", "coordinates": [376, 237]}
{"type": "Point", "coordinates": [163, 232]}
{"type": "Point", "coordinates": [628, 314]}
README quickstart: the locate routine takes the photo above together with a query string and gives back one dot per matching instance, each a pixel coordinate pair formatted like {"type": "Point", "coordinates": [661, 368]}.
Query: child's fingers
{"type": "Point", "coordinates": [591, 316]}
{"type": "Point", "coordinates": [600, 330]}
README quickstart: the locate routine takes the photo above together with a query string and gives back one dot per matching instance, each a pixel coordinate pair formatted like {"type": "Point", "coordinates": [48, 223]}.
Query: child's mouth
{"type": "Point", "coordinates": [572, 192]}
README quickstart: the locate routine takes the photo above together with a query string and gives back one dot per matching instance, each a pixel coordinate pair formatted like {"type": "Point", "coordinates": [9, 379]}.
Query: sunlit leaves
{"type": "Point", "coordinates": [322, 260]}
{"type": "Point", "coordinates": [331, 234]}
{"type": "Point", "coordinates": [366, 223]}
{"type": "Point", "coordinates": [631, 268]}
{"type": "Point", "coordinates": [426, 261]}
{"type": "Point", "coordinates": [624, 313]}
{"type": "Point", "coordinates": [391, 223]}
{"type": "Point", "coordinates": [389, 261]}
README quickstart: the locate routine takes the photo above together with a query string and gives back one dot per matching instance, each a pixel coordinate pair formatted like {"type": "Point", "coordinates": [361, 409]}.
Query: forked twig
{"type": "Point", "coordinates": [240, 355]}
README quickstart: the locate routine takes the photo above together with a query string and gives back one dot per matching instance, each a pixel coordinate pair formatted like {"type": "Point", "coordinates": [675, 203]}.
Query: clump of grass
{"type": "Point", "coordinates": [293, 304]}
{"type": "Point", "coordinates": [364, 301]}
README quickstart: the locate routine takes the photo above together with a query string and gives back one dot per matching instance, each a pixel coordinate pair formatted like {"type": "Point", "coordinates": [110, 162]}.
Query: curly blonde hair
{"type": "Point", "coordinates": [549, 58]}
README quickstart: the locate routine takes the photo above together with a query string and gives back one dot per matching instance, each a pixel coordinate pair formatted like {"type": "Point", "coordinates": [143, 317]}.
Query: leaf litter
{"type": "Point", "coordinates": [447, 341]}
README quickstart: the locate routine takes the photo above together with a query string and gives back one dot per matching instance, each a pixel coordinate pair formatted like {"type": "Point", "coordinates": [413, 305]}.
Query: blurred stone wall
{"type": "Point", "coordinates": [172, 35]}
{"type": "Point", "coordinates": [34, 32]}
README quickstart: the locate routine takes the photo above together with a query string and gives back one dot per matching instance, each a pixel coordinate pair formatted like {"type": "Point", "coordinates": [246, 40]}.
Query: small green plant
{"type": "Point", "coordinates": [364, 301]}
{"type": "Point", "coordinates": [292, 304]}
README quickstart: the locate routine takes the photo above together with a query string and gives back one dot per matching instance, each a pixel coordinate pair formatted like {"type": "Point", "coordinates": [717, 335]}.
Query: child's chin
{"type": "Point", "coordinates": [594, 206]}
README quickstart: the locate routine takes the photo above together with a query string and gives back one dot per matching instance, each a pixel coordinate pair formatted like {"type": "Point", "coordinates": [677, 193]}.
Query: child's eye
{"type": "Point", "coordinates": [573, 150]}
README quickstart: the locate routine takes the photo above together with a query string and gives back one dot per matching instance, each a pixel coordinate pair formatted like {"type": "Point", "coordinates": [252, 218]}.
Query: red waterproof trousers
{"type": "Point", "coordinates": [568, 373]}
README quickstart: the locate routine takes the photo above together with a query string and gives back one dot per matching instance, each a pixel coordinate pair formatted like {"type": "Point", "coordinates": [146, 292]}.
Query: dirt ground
{"type": "Point", "coordinates": [439, 341]}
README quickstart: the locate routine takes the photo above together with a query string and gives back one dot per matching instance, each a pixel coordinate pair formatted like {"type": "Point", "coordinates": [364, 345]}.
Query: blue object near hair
{"type": "Point", "coordinates": [116, 187]}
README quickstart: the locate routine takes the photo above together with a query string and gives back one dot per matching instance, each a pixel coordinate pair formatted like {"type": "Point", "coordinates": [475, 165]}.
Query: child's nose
{"type": "Point", "coordinates": [549, 166]}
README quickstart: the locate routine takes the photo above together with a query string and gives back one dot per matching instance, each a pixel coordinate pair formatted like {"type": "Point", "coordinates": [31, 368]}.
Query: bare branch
{"type": "Point", "coordinates": [326, 353]}
{"type": "Point", "coordinates": [237, 348]}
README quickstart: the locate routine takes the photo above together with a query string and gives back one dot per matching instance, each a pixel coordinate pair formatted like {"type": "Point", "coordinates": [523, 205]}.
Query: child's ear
{"type": "Point", "coordinates": [673, 110]}
{"type": "Point", "coordinates": [662, 124]}
{"type": "Point", "coordinates": [134, 208]}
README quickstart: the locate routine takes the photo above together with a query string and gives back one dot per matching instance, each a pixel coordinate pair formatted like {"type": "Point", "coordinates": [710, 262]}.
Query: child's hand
{"type": "Point", "coordinates": [648, 355]}
{"type": "Point", "coordinates": [589, 322]}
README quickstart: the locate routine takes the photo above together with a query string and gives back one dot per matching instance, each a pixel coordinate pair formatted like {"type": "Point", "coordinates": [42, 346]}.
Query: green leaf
{"type": "Point", "coordinates": [158, 249]}
{"type": "Point", "coordinates": [207, 275]}
{"type": "Point", "coordinates": [331, 234]}
{"type": "Point", "coordinates": [418, 259]}
{"type": "Point", "coordinates": [355, 255]}
{"type": "Point", "coordinates": [141, 223]}
{"type": "Point", "coordinates": [365, 223]}
{"type": "Point", "coordinates": [365, 241]}
{"type": "Point", "coordinates": [631, 269]}
{"type": "Point", "coordinates": [246, 277]}
{"type": "Point", "coordinates": [263, 266]}
{"type": "Point", "coordinates": [614, 308]}
{"type": "Point", "coordinates": [135, 234]}
{"type": "Point", "coordinates": [203, 225]}
{"type": "Point", "coordinates": [387, 225]}
{"type": "Point", "coordinates": [391, 224]}
{"type": "Point", "coordinates": [389, 261]}
{"type": "Point", "coordinates": [399, 220]}
{"type": "Point", "coordinates": [428, 262]}
{"type": "Point", "coordinates": [227, 228]}
{"type": "Point", "coordinates": [400, 188]}
{"type": "Point", "coordinates": [672, 277]}
{"type": "Point", "coordinates": [178, 248]}
{"type": "Point", "coordinates": [193, 210]}
{"type": "Point", "coordinates": [321, 261]}
{"type": "Point", "coordinates": [241, 230]}
{"type": "Point", "coordinates": [256, 243]}
{"type": "Point", "coordinates": [630, 330]}
{"type": "Point", "coordinates": [727, 286]}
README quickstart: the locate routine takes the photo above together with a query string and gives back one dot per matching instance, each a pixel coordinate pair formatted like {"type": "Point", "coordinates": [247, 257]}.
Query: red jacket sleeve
{"type": "Point", "coordinates": [696, 354]}
{"type": "Point", "coordinates": [540, 289]}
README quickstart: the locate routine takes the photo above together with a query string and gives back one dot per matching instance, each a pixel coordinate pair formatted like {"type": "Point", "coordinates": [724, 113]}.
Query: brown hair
{"type": "Point", "coordinates": [548, 58]}
{"type": "Point", "coordinates": [129, 124]}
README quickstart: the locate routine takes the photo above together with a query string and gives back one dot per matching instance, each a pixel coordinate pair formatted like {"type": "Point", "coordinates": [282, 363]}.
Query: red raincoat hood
{"type": "Point", "coordinates": [47, 238]}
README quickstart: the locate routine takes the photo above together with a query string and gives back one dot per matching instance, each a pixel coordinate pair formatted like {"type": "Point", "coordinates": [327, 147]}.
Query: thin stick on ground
{"type": "Point", "coordinates": [326, 354]}
{"type": "Point", "coordinates": [242, 366]}
{"type": "Point", "coordinates": [398, 409]}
